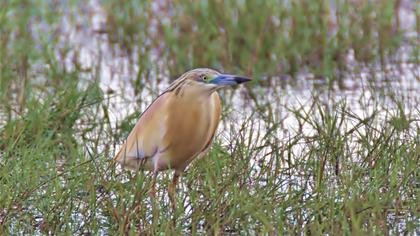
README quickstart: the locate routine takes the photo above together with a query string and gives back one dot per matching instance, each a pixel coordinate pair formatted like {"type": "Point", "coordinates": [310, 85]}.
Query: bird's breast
{"type": "Point", "coordinates": [190, 127]}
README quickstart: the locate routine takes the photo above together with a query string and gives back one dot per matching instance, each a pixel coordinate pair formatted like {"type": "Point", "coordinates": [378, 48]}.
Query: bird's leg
{"type": "Point", "coordinates": [152, 193]}
{"type": "Point", "coordinates": [152, 185]}
{"type": "Point", "coordinates": [171, 190]}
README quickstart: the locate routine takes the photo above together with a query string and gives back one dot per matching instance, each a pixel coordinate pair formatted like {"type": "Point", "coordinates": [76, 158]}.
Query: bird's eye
{"type": "Point", "coordinates": [205, 78]}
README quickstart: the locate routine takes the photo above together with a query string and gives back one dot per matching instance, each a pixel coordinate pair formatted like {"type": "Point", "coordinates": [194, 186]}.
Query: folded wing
{"type": "Point", "coordinates": [146, 138]}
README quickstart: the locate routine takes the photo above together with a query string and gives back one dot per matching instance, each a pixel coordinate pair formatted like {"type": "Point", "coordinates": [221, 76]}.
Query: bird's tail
{"type": "Point", "coordinates": [117, 157]}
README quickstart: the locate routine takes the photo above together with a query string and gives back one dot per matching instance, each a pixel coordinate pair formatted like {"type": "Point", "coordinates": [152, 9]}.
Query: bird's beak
{"type": "Point", "coordinates": [226, 80]}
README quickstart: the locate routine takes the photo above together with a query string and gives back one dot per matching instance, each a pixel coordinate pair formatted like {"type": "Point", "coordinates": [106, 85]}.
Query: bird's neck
{"type": "Point", "coordinates": [197, 94]}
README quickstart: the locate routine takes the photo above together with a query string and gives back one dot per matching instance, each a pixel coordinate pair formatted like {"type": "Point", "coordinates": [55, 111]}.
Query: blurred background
{"type": "Point", "coordinates": [325, 140]}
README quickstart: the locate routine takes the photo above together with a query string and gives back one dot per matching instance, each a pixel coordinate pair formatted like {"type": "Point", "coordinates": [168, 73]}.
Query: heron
{"type": "Point", "coordinates": [177, 127]}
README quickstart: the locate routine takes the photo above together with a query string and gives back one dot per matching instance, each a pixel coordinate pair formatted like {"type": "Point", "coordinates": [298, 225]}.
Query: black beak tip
{"type": "Point", "coordinates": [241, 80]}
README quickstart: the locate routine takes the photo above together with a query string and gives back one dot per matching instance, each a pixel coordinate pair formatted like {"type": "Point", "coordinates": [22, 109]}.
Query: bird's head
{"type": "Point", "coordinates": [204, 79]}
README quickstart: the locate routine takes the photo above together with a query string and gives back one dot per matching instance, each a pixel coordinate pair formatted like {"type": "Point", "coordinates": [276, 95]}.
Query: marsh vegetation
{"type": "Point", "coordinates": [325, 140]}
